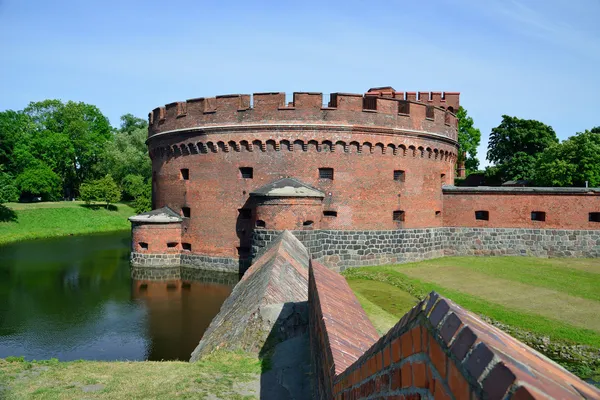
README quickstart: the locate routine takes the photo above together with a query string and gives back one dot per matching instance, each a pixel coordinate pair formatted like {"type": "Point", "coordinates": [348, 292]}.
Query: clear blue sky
{"type": "Point", "coordinates": [535, 59]}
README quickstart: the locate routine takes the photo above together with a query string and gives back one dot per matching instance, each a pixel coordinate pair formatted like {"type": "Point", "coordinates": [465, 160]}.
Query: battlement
{"type": "Point", "coordinates": [424, 111]}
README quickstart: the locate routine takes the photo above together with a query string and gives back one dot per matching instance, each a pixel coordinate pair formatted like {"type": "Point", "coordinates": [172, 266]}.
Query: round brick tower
{"type": "Point", "coordinates": [362, 162]}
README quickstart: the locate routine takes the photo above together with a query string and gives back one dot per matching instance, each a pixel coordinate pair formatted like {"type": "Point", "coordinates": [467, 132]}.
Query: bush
{"type": "Point", "coordinates": [40, 181]}
{"type": "Point", "coordinates": [103, 190]}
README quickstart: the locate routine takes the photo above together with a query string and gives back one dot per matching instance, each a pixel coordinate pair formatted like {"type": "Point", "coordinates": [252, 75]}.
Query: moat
{"type": "Point", "coordinates": [73, 298]}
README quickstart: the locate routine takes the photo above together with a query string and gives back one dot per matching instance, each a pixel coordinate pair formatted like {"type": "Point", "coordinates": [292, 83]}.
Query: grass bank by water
{"type": "Point", "coordinates": [43, 220]}
{"type": "Point", "coordinates": [223, 375]}
{"type": "Point", "coordinates": [550, 304]}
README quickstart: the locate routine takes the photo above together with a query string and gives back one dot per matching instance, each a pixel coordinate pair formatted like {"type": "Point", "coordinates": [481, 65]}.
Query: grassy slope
{"type": "Point", "coordinates": [224, 375]}
{"type": "Point", "coordinates": [42, 220]}
{"type": "Point", "coordinates": [522, 275]}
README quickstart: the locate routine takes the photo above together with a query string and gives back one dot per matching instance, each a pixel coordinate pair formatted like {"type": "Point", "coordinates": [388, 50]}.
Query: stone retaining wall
{"type": "Point", "coordinates": [208, 263]}
{"type": "Point", "coordinates": [345, 249]}
{"type": "Point", "coordinates": [519, 241]}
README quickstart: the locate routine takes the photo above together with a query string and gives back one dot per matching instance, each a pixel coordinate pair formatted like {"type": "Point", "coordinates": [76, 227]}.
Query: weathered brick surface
{"type": "Point", "coordinates": [510, 209]}
{"type": "Point", "coordinates": [437, 351]}
{"type": "Point", "coordinates": [213, 139]}
{"type": "Point", "coordinates": [340, 331]}
{"type": "Point", "coordinates": [269, 302]}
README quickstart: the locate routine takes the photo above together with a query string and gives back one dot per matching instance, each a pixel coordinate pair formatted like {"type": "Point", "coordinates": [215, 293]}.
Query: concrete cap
{"type": "Point", "coordinates": [518, 189]}
{"type": "Point", "coordinates": [287, 187]}
{"type": "Point", "coordinates": [163, 215]}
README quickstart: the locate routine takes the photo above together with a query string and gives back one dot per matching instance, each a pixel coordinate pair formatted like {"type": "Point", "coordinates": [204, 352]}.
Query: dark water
{"type": "Point", "coordinates": [73, 298]}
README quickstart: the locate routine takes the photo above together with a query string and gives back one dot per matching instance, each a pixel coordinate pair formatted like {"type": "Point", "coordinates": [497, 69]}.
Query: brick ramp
{"type": "Point", "coordinates": [437, 350]}
{"type": "Point", "coordinates": [267, 306]}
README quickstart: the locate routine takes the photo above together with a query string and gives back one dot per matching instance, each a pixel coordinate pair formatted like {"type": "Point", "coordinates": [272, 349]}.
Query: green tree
{"type": "Point", "coordinates": [127, 153]}
{"type": "Point", "coordinates": [516, 144]}
{"type": "Point", "coordinates": [469, 138]}
{"type": "Point", "coordinates": [14, 128]}
{"type": "Point", "coordinates": [39, 180]}
{"type": "Point", "coordinates": [103, 190]}
{"type": "Point", "coordinates": [76, 132]}
{"type": "Point", "coordinates": [572, 162]}
{"type": "Point", "coordinates": [8, 189]}
{"type": "Point", "coordinates": [130, 123]}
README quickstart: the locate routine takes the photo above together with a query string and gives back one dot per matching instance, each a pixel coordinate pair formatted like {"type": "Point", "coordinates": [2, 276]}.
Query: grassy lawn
{"type": "Point", "coordinates": [223, 375]}
{"type": "Point", "coordinates": [43, 220]}
{"type": "Point", "coordinates": [551, 304]}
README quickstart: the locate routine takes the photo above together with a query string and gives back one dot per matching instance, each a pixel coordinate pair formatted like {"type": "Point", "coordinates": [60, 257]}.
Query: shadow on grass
{"type": "Point", "coordinates": [94, 206]}
{"type": "Point", "coordinates": [7, 214]}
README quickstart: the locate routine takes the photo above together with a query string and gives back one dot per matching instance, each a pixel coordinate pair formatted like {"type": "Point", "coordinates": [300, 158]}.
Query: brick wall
{"type": "Point", "coordinates": [567, 208]}
{"type": "Point", "coordinates": [436, 351]}
{"type": "Point", "coordinates": [213, 138]}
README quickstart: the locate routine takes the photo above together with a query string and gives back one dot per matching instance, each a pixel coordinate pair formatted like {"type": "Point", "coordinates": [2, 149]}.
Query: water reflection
{"type": "Point", "coordinates": [73, 298]}
{"type": "Point", "coordinates": [176, 308]}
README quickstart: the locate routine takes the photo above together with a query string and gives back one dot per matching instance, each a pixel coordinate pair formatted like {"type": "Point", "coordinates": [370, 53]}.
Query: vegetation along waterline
{"type": "Point", "coordinates": [23, 221]}
{"type": "Point", "coordinates": [549, 304]}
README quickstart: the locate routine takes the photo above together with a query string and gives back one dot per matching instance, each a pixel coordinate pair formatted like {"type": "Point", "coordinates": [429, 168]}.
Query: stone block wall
{"type": "Point", "coordinates": [346, 249]}
{"type": "Point", "coordinates": [436, 351]}
{"type": "Point", "coordinates": [524, 242]}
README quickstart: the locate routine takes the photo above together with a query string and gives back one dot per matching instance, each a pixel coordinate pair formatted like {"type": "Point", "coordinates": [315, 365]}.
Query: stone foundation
{"type": "Point", "coordinates": [345, 249]}
{"type": "Point", "coordinates": [198, 261]}
{"type": "Point", "coordinates": [521, 242]}
{"type": "Point", "coordinates": [341, 249]}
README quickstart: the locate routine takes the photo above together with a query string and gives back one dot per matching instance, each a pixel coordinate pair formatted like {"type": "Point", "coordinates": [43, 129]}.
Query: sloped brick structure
{"type": "Point", "coordinates": [267, 306]}
{"type": "Point", "coordinates": [436, 351]}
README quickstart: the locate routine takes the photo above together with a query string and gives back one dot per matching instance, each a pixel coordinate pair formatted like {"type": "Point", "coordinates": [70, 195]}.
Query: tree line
{"type": "Point", "coordinates": [53, 150]}
{"type": "Point", "coordinates": [529, 150]}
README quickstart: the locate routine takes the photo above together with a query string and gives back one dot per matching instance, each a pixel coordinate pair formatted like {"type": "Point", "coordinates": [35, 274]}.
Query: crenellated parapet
{"type": "Point", "coordinates": [391, 111]}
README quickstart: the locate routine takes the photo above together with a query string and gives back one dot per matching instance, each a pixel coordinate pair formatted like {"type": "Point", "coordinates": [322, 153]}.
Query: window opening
{"type": "Point", "coordinates": [247, 172]}
{"type": "Point", "coordinates": [482, 215]}
{"type": "Point", "coordinates": [398, 215]}
{"type": "Point", "coordinates": [538, 216]}
{"type": "Point", "coordinates": [326, 173]}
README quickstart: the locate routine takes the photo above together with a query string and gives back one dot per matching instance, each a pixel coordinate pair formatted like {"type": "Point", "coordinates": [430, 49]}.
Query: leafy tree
{"type": "Point", "coordinates": [39, 180]}
{"type": "Point", "coordinates": [103, 190]}
{"type": "Point", "coordinates": [127, 155]}
{"type": "Point", "coordinates": [14, 127]}
{"type": "Point", "coordinates": [76, 131]}
{"type": "Point", "coordinates": [130, 123]}
{"type": "Point", "coordinates": [516, 144]}
{"type": "Point", "coordinates": [572, 162]}
{"type": "Point", "coordinates": [136, 187]}
{"type": "Point", "coordinates": [8, 189]}
{"type": "Point", "coordinates": [469, 138]}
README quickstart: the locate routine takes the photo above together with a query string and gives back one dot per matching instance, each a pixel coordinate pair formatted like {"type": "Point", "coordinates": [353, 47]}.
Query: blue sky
{"type": "Point", "coordinates": [528, 58]}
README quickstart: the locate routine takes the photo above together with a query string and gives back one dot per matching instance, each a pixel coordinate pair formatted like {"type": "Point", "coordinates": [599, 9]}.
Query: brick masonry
{"type": "Point", "coordinates": [212, 138]}
{"type": "Point", "coordinates": [436, 351]}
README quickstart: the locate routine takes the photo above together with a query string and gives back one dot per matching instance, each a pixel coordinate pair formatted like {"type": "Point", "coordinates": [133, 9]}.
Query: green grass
{"type": "Point", "coordinates": [382, 302]}
{"type": "Point", "coordinates": [44, 220]}
{"type": "Point", "coordinates": [531, 298]}
{"type": "Point", "coordinates": [224, 375]}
